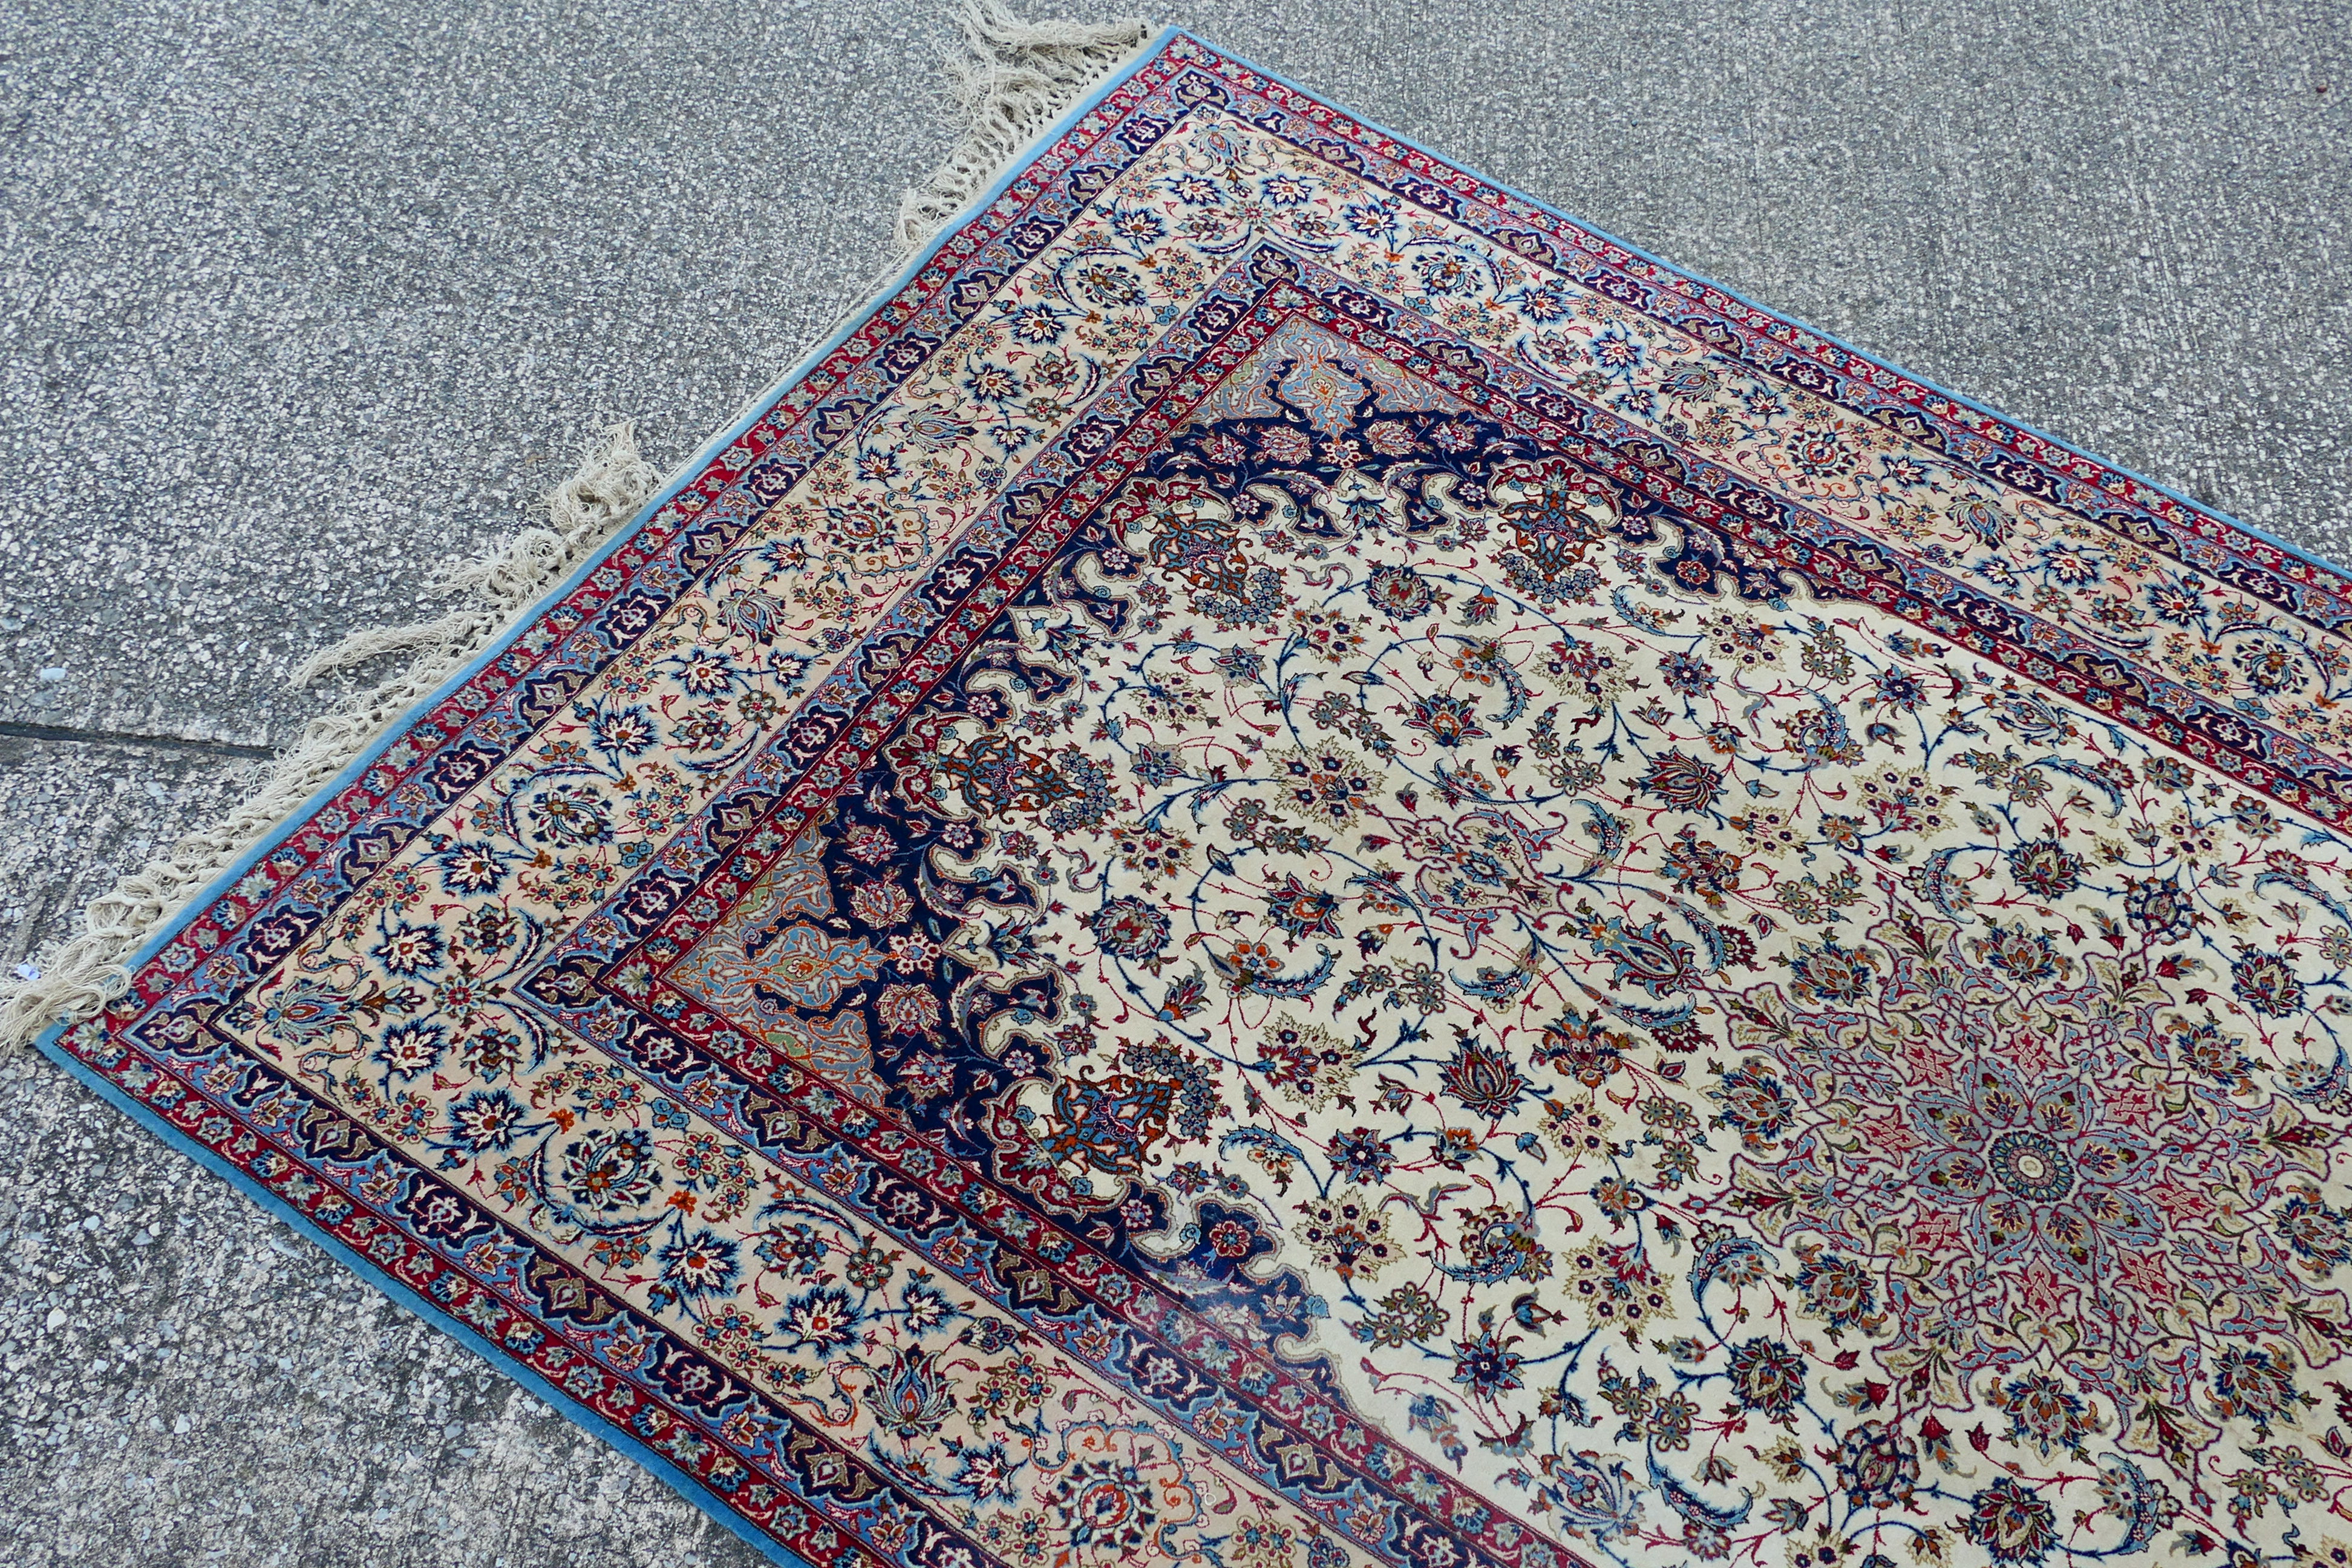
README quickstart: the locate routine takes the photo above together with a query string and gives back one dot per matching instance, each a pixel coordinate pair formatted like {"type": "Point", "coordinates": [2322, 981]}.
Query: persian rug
{"type": "Point", "coordinates": [1298, 866]}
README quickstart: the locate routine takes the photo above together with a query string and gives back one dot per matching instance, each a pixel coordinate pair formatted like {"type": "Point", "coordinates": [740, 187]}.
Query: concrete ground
{"type": "Point", "coordinates": [298, 299]}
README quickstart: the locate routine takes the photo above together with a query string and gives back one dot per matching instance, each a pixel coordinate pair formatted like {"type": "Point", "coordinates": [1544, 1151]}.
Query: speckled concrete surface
{"type": "Point", "coordinates": [297, 299]}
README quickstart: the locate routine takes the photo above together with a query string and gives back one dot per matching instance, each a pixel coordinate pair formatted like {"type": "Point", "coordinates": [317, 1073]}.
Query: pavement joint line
{"type": "Point", "coordinates": [10, 730]}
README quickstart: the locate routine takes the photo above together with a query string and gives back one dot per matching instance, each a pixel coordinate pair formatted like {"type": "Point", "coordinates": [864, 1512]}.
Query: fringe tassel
{"type": "Point", "coordinates": [1012, 80]}
{"type": "Point", "coordinates": [82, 975]}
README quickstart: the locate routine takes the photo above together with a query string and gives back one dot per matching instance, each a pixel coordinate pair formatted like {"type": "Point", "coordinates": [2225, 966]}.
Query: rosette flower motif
{"type": "Point", "coordinates": [2041, 1174]}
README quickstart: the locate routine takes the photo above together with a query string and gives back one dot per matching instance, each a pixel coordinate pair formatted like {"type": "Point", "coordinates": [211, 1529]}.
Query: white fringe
{"type": "Point", "coordinates": [1012, 80]}
{"type": "Point", "coordinates": [82, 975]}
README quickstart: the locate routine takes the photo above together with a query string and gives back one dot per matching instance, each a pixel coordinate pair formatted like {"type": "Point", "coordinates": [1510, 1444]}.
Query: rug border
{"type": "Point", "coordinates": [1151, 48]}
{"type": "Point", "coordinates": [515, 1371]}
{"type": "Point", "coordinates": [682, 478]}
{"type": "Point", "coordinates": [2299, 552]}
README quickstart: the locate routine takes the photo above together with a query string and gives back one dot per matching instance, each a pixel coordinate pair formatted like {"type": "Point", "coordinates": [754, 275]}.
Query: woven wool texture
{"type": "Point", "coordinates": [1301, 868]}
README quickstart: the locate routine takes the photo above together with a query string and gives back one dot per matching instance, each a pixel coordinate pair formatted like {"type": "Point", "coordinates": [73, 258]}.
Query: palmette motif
{"type": "Point", "coordinates": [1303, 869]}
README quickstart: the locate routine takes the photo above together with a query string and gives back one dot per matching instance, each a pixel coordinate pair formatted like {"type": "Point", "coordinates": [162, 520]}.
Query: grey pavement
{"type": "Point", "coordinates": [297, 300]}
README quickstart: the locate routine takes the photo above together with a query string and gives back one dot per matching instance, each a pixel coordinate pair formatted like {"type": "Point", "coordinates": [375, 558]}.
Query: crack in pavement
{"type": "Point", "coordinates": [9, 730]}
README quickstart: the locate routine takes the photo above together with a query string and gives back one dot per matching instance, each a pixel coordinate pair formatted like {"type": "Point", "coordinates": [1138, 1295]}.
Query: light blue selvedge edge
{"type": "Point", "coordinates": [49, 1043]}
{"type": "Point", "coordinates": [497, 1360]}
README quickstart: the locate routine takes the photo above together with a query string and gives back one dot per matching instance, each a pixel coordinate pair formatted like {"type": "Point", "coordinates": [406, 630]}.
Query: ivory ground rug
{"type": "Point", "coordinates": [1300, 867]}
